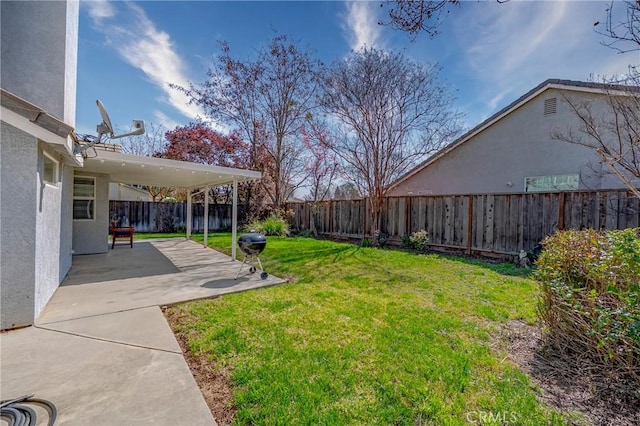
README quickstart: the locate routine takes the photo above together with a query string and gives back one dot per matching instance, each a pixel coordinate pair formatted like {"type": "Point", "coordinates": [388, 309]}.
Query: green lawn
{"type": "Point", "coordinates": [367, 336]}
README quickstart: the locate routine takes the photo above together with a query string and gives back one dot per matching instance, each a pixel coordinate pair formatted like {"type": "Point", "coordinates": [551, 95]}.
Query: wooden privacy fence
{"type": "Point", "coordinates": [148, 216]}
{"type": "Point", "coordinates": [501, 224]}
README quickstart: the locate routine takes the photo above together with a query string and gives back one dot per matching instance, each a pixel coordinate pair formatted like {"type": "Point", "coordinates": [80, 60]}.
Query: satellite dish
{"type": "Point", "coordinates": [106, 128]}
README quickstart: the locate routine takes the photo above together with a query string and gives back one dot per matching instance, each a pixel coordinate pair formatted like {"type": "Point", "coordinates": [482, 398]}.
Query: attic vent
{"type": "Point", "coordinates": [550, 106]}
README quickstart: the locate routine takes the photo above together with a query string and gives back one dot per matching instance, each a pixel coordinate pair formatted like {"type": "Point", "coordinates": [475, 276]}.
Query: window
{"type": "Point", "coordinates": [550, 106]}
{"type": "Point", "coordinates": [84, 196]}
{"type": "Point", "coordinates": [551, 183]}
{"type": "Point", "coordinates": [49, 170]}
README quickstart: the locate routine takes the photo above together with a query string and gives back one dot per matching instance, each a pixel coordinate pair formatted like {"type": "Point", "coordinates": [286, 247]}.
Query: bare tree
{"type": "Point", "coordinates": [414, 16]}
{"type": "Point", "coordinates": [148, 144]}
{"type": "Point", "coordinates": [268, 100]}
{"type": "Point", "coordinates": [321, 165]}
{"type": "Point", "coordinates": [610, 125]}
{"type": "Point", "coordinates": [623, 35]}
{"type": "Point", "coordinates": [390, 113]}
{"type": "Point", "coordinates": [346, 191]}
{"type": "Point", "coordinates": [151, 143]}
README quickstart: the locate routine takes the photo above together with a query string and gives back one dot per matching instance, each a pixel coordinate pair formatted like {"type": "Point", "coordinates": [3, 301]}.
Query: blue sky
{"type": "Point", "coordinates": [491, 53]}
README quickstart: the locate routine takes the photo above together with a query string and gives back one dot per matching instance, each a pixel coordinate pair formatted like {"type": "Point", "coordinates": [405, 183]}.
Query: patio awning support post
{"type": "Point", "coordinates": [206, 216]}
{"type": "Point", "coordinates": [189, 215]}
{"type": "Point", "coordinates": [234, 219]}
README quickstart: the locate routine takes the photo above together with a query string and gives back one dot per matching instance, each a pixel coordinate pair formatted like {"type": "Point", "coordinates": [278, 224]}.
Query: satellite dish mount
{"type": "Point", "coordinates": [105, 128]}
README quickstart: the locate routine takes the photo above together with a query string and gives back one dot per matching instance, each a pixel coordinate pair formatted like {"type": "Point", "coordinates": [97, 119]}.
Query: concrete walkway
{"type": "Point", "coordinates": [102, 351]}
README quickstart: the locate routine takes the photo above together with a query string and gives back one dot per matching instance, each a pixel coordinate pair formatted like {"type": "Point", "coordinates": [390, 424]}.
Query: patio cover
{"type": "Point", "coordinates": [152, 171]}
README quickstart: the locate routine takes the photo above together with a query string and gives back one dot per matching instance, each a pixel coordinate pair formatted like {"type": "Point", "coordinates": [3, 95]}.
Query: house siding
{"type": "Point", "coordinates": [90, 236]}
{"type": "Point", "coordinates": [498, 159]}
{"type": "Point", "coordinates": [48, 231]}
{"type": "Point", "coordinates": [39, 64]}
{"type": "Point", "coordinates": [18, 206]}
{"type": "Point", "coordinates": [66, 222]}
{"type": "Point", "coordinates": [39, 53]}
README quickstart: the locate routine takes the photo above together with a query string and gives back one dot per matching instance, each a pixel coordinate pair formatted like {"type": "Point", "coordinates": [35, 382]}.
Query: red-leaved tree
{"type": "Point", "coordinates": [199, 143]}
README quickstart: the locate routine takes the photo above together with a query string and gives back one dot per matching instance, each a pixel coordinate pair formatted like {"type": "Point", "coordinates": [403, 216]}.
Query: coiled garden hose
{"type": "Point", "coordinates": [18, 413]}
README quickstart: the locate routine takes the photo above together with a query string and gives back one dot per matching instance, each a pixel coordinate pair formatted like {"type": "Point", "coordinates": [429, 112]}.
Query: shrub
{"type": "Point", "coordinates": [307, 233]}
{"type": "Point", "coordinates": [418, 240]}
{"type": "Point", "coordinates": [379, 239]}
{"type": "Point", "coordinates": [275, 224]}
{"type": "Point", "coordinates": [590, 300]}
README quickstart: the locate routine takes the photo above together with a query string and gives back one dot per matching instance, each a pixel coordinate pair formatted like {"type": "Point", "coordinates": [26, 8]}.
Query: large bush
{"type": "Point", "coordinates": [590, 301]}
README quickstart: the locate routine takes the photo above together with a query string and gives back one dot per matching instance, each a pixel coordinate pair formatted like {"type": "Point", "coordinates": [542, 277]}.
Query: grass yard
{"type": "Point", "coordinates": [367, 336]}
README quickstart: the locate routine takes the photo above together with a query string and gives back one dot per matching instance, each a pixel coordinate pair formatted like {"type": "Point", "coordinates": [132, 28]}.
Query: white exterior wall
{"type": "Point", "coordinates": [35, 243]}
{"type": "Point", "coordinates": [48, 235]}
{"type": "Point", "coordinates": [517, 146]}
{"type": "Point", "coordinates": [18, 195]}
{"type": "Point", "coordinates": [91, 236]}
{"type": "Point", "coordinates": [39, 63]}
{"type": "Point", "coordinates": [66, 222]}
{"type": "Point", "coordinates": [39, 54]}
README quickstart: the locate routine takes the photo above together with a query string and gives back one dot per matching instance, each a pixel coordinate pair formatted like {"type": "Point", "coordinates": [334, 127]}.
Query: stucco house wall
{"type": "Point", "coordinates": [39, 57]}
{"type": "Point", "coordinates": [19, 159]}
{"type": "Point", "coordinates": [519, 145]}
{"type": "Point", "coordinates": [39, 54]}
{"type": "Point", "coordinates": [66, 221]}
{"type": "Point", "coordinates": [36, 253]}
{"type": "Point", "coordinates": [90, 235]}
{"type": "Point", "coordinates": [48, 237]}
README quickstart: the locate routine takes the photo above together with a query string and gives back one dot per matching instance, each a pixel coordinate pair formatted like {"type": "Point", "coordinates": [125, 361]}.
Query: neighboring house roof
{"type": "Point", "coordinates": [34, 120]}
{"type": "Point", "coordinates": [579, 86]}
{"type": "Point", "coordinates": [132, 188]}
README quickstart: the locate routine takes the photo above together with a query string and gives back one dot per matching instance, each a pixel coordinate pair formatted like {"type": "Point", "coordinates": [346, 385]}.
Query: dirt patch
{"type": "Point", "coordinates": [567, 386]}
{"type": "Point", "coordinates": [215, 384]}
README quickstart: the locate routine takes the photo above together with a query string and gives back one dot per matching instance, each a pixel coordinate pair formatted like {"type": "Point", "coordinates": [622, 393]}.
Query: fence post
{"type": "Point", "coordinates": [469, 224]}
{"type": "Point", "coordinates": [408, 215]}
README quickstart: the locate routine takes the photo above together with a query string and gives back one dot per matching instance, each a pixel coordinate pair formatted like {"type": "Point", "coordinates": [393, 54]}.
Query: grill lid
{"type": "Point", "coordinates": [252, 237]}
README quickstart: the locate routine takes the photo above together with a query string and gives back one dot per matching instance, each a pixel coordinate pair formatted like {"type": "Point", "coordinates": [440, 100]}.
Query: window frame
{"type": "Point", "coordinates": [56, 170]}
{"type": "Point", "coordinates": [572, 175]}
{"type": "Point", "coordinates": [84, 198]}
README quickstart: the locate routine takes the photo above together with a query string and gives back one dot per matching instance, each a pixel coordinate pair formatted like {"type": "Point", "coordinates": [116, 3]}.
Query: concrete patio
{"type": "Point", "coordinates": [102, 350]}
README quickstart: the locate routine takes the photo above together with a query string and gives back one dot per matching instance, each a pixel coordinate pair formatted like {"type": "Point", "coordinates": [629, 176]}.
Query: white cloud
{"type": "Point", "coordinates": [99, 10]}
{"type": "Point", "coordinates": [149, 49]}
{"type": "Point", "coordinates": [510, 48]}
{"type": "Point", "coordinates": [164, 120]}
{"type": "Point", "coordinates": [361, 24]}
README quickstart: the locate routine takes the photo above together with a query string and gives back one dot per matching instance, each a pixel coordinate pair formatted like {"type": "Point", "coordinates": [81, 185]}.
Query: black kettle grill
{"type": "Point", "coordinates": [251, 245]}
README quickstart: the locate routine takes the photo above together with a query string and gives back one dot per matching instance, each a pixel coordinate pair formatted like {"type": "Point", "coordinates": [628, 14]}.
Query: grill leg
{"type": "Point", "coordinates": [239, 270]}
